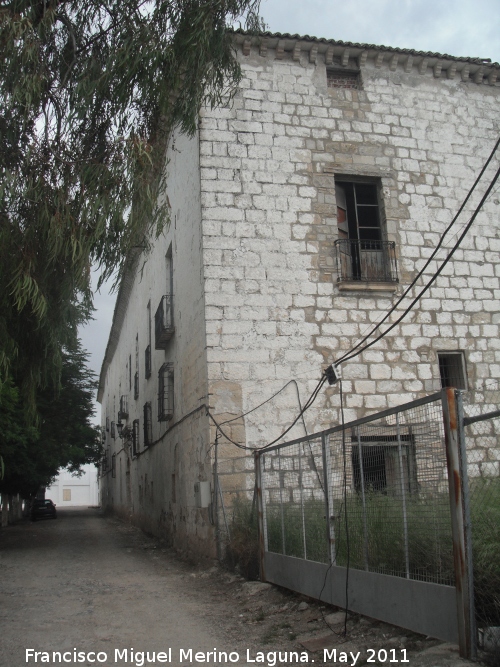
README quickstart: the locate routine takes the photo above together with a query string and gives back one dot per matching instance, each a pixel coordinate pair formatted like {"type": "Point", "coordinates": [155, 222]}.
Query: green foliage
{"type": "Point", "coordinates": [428, 529]}
{"type": "Point", "coordinates": [243, 548]}
{"type": "Point", "coordinates": [88, 94]}
{"type": "Point", "coordinates": [64, 437]}
{"type": "Point", "coordinates": [485, 522]}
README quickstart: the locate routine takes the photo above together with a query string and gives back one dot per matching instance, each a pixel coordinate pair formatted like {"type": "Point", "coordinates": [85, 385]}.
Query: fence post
{"type": "Point", "coordinates": [216, 499]}
{"type": "Point", "coordinates": [330, 532]}
{"type": "Point", "coordinates": [467, 522]}
{"type": "Point", "coordinates": [455, 477]}
{"type": "Point", "coordinates": [363, 499]}
{"type": "Point", "coordinates": [260, 513]}
{"type": "Point", "coordinates": [403, 497]}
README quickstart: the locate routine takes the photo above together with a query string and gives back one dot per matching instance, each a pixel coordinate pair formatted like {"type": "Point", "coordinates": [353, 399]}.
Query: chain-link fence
{"type": "Point", "coordinates": [385, 494]}
{"type": "Point", "coordinates": [374, 496]}
{"type": "Point", "coordinates": [482, 436]}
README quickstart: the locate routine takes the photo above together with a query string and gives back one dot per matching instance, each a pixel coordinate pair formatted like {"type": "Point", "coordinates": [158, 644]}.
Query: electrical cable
{"type": "Point", "coordinates": [308, 404]}
{"type": "Point", "coordinates": [352, 353]}
{"type": "Point", "coordinates": [244, 414]}
{"type": "Point", "coordinates": [429, 260]}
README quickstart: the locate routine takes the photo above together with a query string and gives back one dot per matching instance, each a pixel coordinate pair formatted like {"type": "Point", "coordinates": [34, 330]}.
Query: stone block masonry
{"type": "Point", "coordinates": [274, 298]}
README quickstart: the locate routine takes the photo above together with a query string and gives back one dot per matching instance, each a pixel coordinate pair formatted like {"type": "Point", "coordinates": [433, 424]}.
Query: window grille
{"type": "Point", "coordinates": [136, 385]}
{"type": "Point", "coordinates": [452, 369]}
{"type": "Point", "coordinates": [123, 413]}
{"type": "Point", "coordinates": [107, 424]}
{"type": "Point", "coordinates": [342, 79]}
{"type": "Point", "coordinates": [164, 322]}
{"type": "Point", "coordinates": [113, 430]}
{"type": "Point", "coordinates": [103, 436]}
{"type": "Point", "coordinates": [166, 392]}
{"type": "Point", "coordinates": [147, 362]}
{"type": "Point", "coordinates": [135, 437]}
{"type": "Point", "coordinates": [113, 465]}
{"type": "Point", "coordinates": [148, 425]}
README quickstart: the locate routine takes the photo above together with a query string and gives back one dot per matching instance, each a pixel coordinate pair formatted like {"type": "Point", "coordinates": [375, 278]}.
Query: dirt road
{"type": "Point", "coordinates": [96, 586]}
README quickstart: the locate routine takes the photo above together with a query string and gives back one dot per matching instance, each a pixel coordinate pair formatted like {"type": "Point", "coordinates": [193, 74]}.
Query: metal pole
{"type": "Point", "coordinates": [363, 500]}
{"type": "Point", "coordinates": [451, 419]}
{"type": "Point", "coordinates": [216, 498]}
{"type": "Point", "coordinates": [403, 498]}
{"type": "Point", "coordinates": [259, 461]}
{"type": "Point", "coordinates": [467, 522]}
{"type": "Point", "coordinates": [302, 502]}
{"type": "Point", "coordinates": [281, 505]}
{"type": "Point", "coordinates": [330, 529]}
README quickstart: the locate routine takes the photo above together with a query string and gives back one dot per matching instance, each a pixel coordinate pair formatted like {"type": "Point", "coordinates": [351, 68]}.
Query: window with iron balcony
{"type": "Point", "coordinates": [164, 322]}
{"type": "Point", "coordinates": [166, 392]}
{"type": "Point", "coordinates": [123, 412]}
{"type": "Point", "coordinates": [363, 258]}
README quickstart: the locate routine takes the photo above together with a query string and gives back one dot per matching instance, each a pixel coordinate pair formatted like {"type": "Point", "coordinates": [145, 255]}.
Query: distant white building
{"type": "Point", "coordinates": [71, 491]}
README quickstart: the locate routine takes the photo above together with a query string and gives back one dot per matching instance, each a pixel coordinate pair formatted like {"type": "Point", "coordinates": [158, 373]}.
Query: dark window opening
{"type": "Point", "coordinates": [123, 412]}
{"type": "Point", "coordinates": [113, 465]}
{"type": "Point", "coordinates": [342, 79]}
{"type": "Point", "coordinates": [384, 466]}
{"type": "Point", "coordinates": [113, 431]}
{"type": "Point", "coordinates": [148, 425]}
{"type": "Point", "coordinates": [136, 385]}
{"type": "Point", "coordinates": [361, 251]}
{"type": "Point", "coordinates": [452, 369]}
{"type": "Point", "coordinates": [147, 362]}
{"type": "Point", "coordinates": [164, 322]}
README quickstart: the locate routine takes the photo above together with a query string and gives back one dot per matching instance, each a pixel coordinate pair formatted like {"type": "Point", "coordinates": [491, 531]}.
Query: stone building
{"type": "Point", "coordinates": [299, 213]}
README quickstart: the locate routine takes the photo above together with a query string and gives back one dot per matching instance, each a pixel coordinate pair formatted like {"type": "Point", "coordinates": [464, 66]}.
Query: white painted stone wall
{"type": "Point", "coordinates": [274, 310]}
{"type": "Point", "coordinates": [257, 301]}
{"type": "Point", "coordinates": [156, 489]}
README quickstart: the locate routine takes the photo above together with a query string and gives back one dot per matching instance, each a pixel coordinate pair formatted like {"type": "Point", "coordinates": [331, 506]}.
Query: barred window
{"type": "Point", "coordinates": [342, 79]}
{"type": "Point", "coordinates": [135, 437]}
{"type": "Point", "coordinates": [113, 430]}
{"type": "Point", "coordinates": [136, 385]}
{"type": "Point", "coordinates": [113, 465]}
{"type": "Point", "coordinates": [166, 392]}
{"type": "Point", "coordinates": [148, 425]}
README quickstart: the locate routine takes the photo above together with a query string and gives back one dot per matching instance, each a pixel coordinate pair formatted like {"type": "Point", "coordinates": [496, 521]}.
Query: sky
{"type": "Point", "coordinates": [454, 27]}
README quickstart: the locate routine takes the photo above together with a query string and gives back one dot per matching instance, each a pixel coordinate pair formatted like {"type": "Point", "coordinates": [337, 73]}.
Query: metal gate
{"type": "Point", "coordinates": [371, 516]}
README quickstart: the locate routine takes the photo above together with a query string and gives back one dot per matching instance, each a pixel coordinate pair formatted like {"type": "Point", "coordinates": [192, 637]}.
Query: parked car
{"type": "Point", "coordinates": [43, 509]}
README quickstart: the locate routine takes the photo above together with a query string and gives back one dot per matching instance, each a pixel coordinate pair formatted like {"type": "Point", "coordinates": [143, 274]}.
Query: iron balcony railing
{"type": "Point", "coordinates": [147, 362]}
{"type": "Point", "coordinates": [366, 261]}
{"type": "Point", "coordinates": [164, 322]}
{"type": "Point", "coordinates": [123, 412]}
